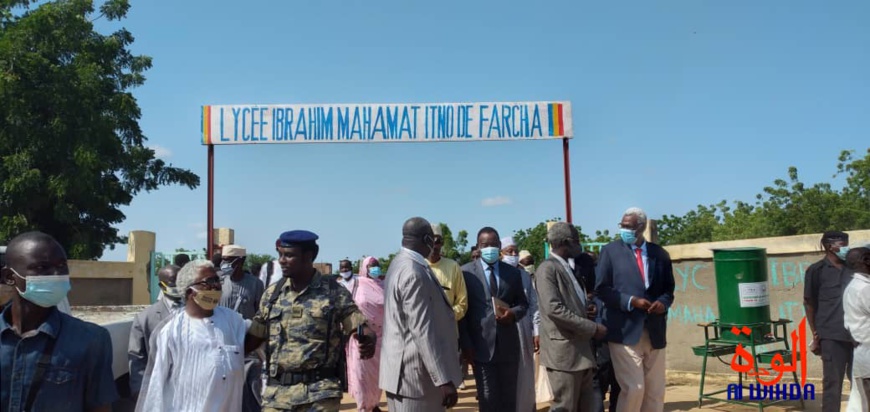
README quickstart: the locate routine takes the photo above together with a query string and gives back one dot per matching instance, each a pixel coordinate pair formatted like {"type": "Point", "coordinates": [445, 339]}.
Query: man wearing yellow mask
{"type": "Point", "coordinates": [146, 322]}
{"type": "Point", "coordinates": [198, 359]}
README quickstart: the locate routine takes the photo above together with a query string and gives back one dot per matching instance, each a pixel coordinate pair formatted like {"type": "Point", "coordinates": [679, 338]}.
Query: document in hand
{"type": "Point", "coordinates": [499, 306]}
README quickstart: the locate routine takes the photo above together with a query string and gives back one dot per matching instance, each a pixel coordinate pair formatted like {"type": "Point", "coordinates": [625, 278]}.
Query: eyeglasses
{"type": "Point", "coordinates": [212, 282]}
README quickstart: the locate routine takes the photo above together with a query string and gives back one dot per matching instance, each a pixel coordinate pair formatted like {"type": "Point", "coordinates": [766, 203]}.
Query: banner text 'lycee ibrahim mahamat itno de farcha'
{"type": "Point", "coordinates": [375, 123]}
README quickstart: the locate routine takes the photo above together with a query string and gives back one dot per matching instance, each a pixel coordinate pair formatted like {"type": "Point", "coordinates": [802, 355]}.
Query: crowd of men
{"type": "Point", "coordinates": [294, 339]}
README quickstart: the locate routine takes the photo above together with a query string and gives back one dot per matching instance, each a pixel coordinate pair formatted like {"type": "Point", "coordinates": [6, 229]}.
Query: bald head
{"type": "Point", "coordinates": [25, 243]}
{"type": "Point", "coordinates": [858, 259]}
{"type": "Point", "coordinates": [30, 245]}
{"type": "Point", "coordinates": [33, 254]}
{"type": "Point", "coordinates": [417, 235]}
{"type": "Point", "coordinates": [168, 274]}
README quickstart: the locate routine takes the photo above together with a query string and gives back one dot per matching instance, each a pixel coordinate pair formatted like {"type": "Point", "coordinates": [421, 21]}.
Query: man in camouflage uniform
{"type": "Point", "coordinates": [304, 317]}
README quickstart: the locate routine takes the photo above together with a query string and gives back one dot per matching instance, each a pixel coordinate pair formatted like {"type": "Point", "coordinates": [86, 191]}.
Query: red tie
{"type": "Point", "coordinates": [640, 265]}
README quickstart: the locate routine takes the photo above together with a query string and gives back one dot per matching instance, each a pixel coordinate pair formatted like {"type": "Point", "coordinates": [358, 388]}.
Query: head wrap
{"type": "Point", "coordinates": [364, 266]}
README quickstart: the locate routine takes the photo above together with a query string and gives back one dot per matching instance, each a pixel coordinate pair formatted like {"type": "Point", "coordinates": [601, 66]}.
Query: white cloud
{"type": "Point", "coordinates": [202, 235]}
{"type": "Point", "coordinates": [160, 152]}
{"type": "Point", "coordinates": [496, 201]}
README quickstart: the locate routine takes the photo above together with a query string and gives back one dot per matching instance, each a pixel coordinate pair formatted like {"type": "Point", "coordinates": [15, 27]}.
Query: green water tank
{"type": "Point", "coordinates": [743, 291]}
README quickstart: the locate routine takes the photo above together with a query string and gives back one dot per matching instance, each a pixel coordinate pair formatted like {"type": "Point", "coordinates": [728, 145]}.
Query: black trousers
{"type": "Point", "coordinates": [496, 385]}
{"type": "Point", "coordinates": [605, 378]}
{"type": "Point", "coordinates": [251, 396]}
{"type": "Point", "coordinates": [836, 364]}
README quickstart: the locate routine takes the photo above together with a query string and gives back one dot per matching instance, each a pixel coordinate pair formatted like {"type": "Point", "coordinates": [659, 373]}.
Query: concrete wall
{"type": "Point", "coordinates": [695, 295]}
{"type": "Point", "coordinates": [109, 283]}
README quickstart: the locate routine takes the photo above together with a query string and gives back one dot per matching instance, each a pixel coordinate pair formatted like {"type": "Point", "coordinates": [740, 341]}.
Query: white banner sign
{"type": "Point", "coordinates": [375, 123]}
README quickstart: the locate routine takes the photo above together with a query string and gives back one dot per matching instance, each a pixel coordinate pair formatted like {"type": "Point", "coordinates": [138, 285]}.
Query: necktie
{"type": "Point", "coordinates": [639, 258]}
{"type": "Point", "coordinates": [493, 286]}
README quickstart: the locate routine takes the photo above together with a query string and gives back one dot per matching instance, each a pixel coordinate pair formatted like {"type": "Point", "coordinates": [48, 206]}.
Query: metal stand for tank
{"type": "Point", "coordinates": [718, 345]}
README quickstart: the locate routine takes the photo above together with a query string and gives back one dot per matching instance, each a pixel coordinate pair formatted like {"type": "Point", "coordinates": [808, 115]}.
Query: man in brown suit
{"type": "Point", "coordinates": [565, 331]}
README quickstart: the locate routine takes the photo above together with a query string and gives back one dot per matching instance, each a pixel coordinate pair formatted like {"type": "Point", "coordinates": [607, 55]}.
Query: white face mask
{"type": "Point", "coordinates": [346, 275]}
{"type": "Point", "coordinates": [511, 260]}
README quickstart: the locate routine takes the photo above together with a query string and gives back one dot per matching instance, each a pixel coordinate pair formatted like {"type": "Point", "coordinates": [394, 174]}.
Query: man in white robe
{"type": "Point", "coordinates": [528, 329]}
{"type": "Point", "coordinates": [196, 360]}
{"type": "Point", "coordinates": [856, 309]}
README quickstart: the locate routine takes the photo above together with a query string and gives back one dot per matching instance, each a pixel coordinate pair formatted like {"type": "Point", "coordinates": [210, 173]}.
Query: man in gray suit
{"type": "Point", "coordinates": [566, 333]}
{"type": "Point", "coordinates": [488, 333]}
{"type": "Point", "coordinates": [419, 363]}
{"type": "Point", "coordinates": [146, 322]}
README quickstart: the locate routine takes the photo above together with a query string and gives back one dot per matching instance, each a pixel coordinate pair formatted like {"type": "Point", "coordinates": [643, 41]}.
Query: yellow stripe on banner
{"type": "Point", "coordinates": [206, 124]}
{"type": "Point", "coordinates": [553, 123]}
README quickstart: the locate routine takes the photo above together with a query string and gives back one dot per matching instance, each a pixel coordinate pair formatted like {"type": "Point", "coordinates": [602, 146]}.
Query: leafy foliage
{"type": "Point", "coordinates": [254, 259]}
{"type": "Point", "coordinates": [71, 149]}
{"type": "Point", "coordinates": [533, 239]}
{"type": "Point", "coordinates": [788, 207]}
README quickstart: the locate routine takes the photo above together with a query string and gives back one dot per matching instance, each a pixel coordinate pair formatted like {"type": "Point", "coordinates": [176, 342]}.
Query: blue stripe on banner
{"type": "Point", "coordinates": [550, 118]}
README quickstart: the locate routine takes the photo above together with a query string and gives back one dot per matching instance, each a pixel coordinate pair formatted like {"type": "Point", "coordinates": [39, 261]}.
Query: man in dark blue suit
{"type": "Point", "coordinates": [488, 333]}
{"type": "Point", "coordinates": [635, 280]}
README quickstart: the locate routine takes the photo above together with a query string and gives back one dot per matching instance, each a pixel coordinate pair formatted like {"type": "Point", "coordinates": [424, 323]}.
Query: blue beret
{"type": "Point", "coordinates": [295, 237]}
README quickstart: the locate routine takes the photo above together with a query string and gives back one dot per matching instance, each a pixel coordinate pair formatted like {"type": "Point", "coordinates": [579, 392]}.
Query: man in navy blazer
{"type": "Point", "coordinates": [635, 280]}
{"type": "Point", "coordinates": [488, 335]}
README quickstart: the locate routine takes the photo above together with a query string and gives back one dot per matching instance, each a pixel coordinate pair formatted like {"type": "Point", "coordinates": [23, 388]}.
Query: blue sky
{"type": "Point", "coordinates": [675, 103]}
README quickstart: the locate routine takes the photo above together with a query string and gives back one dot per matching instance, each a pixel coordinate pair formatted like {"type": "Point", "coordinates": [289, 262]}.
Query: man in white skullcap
{"type": "Point", "coordinates": [528, 330]}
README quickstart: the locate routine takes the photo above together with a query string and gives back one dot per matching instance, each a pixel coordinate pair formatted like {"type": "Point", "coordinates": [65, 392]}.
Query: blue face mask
{"type": "Point", "coordinates": [628, 236]}
{"type": "Point", "coordinates": [842, 252]}
{"type": "Point", "coordinates": [375, 272]}
{"type": "Point", "coordinates": [45, 291]}
{"type": "Point", "coordinates": [490, 254]}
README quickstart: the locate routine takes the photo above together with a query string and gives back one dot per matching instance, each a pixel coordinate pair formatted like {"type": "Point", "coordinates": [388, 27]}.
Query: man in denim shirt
{"type": "Point", "coordinates": [49, 361]}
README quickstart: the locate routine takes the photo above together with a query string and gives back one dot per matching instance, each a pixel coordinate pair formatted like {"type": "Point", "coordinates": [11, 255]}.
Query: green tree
{"type": "Point", "coordinates": [696, 226]}
{"type": "Point", "coordinates": [71, 149]}
{"type": "Point", "coordinates": [254, 259]}
{"type": "Point", "coordinates": [788, 207]}
{"type": "Point", "coordinates": [533, 239]}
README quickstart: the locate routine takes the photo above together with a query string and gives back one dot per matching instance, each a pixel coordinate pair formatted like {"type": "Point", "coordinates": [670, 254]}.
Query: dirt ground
{"type": "Point", "coordinates": [681, 395]}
